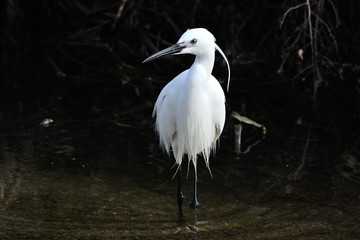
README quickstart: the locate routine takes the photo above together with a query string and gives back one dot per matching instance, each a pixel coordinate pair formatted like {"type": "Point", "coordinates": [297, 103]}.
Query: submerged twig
{"type": "Point", "coordinates": [238, 130]}
{"type": "Point", "coordinates": [248, 121]}
{"type": "Point", "coordinates": [303, 157]}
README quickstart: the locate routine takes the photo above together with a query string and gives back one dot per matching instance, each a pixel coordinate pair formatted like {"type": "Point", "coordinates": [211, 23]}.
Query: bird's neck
{"type": "Point", "coordinates": [203, 65]}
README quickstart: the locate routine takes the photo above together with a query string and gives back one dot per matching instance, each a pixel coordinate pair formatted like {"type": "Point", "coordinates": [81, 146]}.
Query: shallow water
{"type": "Point", "coordinates": [95, 178]}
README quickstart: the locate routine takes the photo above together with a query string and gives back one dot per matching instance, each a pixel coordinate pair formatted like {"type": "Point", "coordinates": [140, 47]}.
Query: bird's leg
{"type": "Point", "coordinates": [182, 227]}
{"type": "Point", "coordinates": [180, 201]}
{"type": "Point", "coordinates": [195, 203]}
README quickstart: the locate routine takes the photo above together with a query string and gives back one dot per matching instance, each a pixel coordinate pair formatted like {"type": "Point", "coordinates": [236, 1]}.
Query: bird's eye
{"type": "Point", "coordinates": [193, 41]}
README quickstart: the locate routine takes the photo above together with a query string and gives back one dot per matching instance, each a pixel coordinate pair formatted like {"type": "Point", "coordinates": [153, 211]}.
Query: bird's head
{"type": "Point", "coordinates": [196, 41]}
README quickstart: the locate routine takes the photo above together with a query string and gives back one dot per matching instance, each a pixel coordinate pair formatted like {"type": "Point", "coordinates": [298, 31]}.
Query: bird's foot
{"type": "Point", "coordinates": [184, 228]}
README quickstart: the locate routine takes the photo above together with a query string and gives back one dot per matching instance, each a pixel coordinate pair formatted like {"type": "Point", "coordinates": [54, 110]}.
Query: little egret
{"type": "Point", "coordinates": [190, 110]}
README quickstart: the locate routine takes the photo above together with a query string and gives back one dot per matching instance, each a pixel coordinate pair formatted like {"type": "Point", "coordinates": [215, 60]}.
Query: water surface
{"type": "Point", "coordinates": [98, 178]}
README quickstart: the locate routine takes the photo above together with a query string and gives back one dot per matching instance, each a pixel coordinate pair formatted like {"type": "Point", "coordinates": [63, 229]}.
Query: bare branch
{"type": "Point", "coordinates": [336, 12]}
{"type": "Point", "coordinates": [288, 11]}
{"type": "Point", "coordinates": [119, 12]}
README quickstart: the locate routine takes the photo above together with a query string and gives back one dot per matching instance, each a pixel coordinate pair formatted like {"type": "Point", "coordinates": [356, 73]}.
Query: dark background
{"type": "Point", "coordinates": [83, 58]}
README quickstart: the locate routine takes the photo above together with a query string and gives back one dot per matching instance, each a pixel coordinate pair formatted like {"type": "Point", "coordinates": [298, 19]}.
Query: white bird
{"type": "Point", "coordinates": [190, 110]}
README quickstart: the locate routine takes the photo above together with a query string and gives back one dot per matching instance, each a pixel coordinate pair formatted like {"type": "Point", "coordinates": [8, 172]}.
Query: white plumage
{"type": "Point", "coordinates": [190, 110]}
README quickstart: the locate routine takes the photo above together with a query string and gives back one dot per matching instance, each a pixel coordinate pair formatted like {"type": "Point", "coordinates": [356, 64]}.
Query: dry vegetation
{"type": "Point", "coordinates": [88, 54]}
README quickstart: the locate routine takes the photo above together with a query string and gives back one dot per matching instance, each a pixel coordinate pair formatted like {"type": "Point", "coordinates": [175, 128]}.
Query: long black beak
{"type": "Point", "coordinates": [176, 48]}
